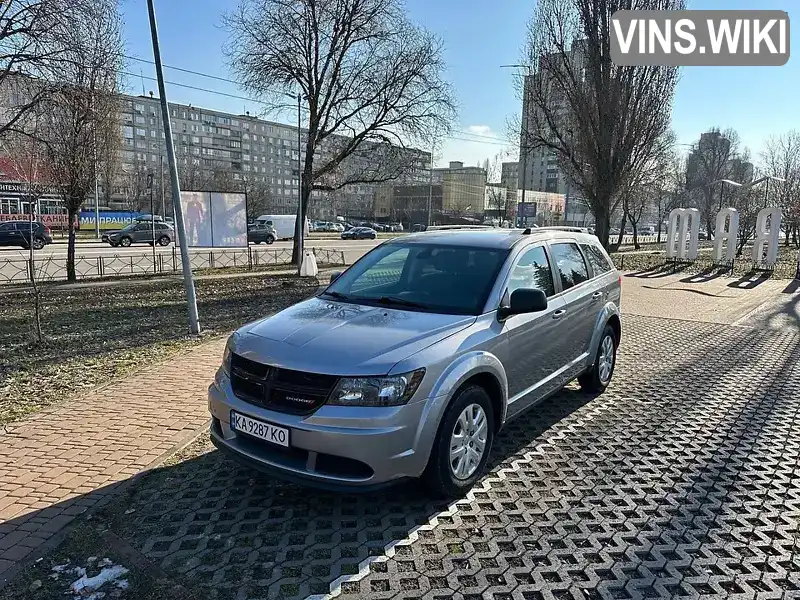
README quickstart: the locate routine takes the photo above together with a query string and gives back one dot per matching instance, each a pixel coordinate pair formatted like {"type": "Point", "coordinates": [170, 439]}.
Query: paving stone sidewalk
{"type": "Point", "coordinates": [60, 462]}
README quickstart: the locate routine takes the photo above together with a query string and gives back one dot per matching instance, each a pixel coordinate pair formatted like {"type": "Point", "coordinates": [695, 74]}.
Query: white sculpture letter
{"type": "Point", "coordinates": [681, 221]}
{"type": "Point", "coordinates": [729, 235]}
{"type": "Point", "coordinates": [768, 236]}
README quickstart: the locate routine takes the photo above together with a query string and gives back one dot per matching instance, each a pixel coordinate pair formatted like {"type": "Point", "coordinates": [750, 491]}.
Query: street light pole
{"type": "Point", "coordinates": [523, 154]}
{"type": "Point", "coordinates": [300, 229]}
{"type": "Point", "coordinates": [180, 229]}
{"type": "Point", "coordinates": [430, 185]}
{"type": "Point", "coordinates": [152, 219]}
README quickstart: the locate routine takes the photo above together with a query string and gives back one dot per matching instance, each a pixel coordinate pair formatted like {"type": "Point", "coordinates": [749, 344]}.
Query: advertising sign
{"type": "Point", "coordinates": [526, 210]}
{"type": "Point", "coordinates": [215, 219]}
{"type": "Point", "coordinates": [52, 221]}
{"type": "Point", "coordinates": [109, 219]}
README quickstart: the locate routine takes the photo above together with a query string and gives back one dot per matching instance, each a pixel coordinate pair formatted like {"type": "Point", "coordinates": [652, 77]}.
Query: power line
{"type": "Point", "coordinates": [494, 140]}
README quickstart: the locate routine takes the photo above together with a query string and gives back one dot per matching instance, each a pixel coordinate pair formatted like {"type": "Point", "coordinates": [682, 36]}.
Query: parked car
{"type": "Point", "coordinates": [262, 233]}
{"type": "Point", "coordinates": [359, 233]}
{"type": "Point", "coordinates": [142, 232]}
{"type": "Point", "coordinates": [396, 227]}
{"type": "Point", "coordinates": [449, 335]}
{"type": "Point", "coordinates": [20, 233]}
{"type": "Point", "coordinates": [417, 227]}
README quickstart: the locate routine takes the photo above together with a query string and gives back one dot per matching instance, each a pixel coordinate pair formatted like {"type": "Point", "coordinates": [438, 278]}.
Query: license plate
{"type": "Point", "coordinates": [259, 429]}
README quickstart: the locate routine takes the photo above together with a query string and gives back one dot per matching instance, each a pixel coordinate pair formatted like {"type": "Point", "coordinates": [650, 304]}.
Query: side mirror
{"type": "Point", "coordinates": [335, 275]}
{"type": "Point", "coordinates": [523, 301]}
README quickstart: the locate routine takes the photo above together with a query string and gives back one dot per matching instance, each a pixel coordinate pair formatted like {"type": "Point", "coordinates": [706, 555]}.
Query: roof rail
{"type": "Point", "coordinates": [448, 227]}
{"type": "Point", "coordinates": [565, 228]}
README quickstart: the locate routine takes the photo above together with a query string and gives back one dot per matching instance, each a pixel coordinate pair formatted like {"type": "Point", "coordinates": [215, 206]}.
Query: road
{"type": "Point", "coordinates": [94, 259]}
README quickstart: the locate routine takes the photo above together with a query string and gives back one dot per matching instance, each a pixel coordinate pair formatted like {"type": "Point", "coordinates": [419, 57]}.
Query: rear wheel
{"type": "Point", "coordinates": [462, 444]}
{"type": "Point", "coordinates": [597, 378]}
{"type": "Point", "coordinates": [125, 242]}
{"type": "Point", "coordinates": [38, 243]}
{"type": "Point", "coordinates": [163, 240]}
{"type": "Point", "coordinates": [269, 239]}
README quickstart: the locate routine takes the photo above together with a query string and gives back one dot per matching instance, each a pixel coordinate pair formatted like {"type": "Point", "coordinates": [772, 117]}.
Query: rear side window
{"type": "Point", "coordinates": [532, 271]}
{"type": "Point", "coordinates": [571, 266]}
{"type": "Point", "coordinates": [597, 259]}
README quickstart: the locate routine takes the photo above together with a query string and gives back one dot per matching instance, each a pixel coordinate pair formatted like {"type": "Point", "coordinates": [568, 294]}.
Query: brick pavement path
{"type": "Point", "coordinates": [62, 461]}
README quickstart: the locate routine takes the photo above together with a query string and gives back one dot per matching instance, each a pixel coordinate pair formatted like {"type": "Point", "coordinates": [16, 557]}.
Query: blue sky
{"type": "Point", "coordinates": [479, 36]}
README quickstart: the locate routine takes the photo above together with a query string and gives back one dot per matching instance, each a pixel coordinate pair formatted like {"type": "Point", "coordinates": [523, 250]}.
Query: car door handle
{"type": "Point", "coordinates": [559, 313]}
{"type": "Point", "coordinates": [596, 295]}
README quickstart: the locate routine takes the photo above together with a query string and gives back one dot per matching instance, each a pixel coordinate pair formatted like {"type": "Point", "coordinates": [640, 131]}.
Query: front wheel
{"type": "Point", "coordinates": [38, 243]}
{"type": "Point", "coordinates": [163, 240]}
{"type": "Point", "coordinates": [125, 242]}
{"type": "Point", "coordinates": [463, 443]}
{"type": "Point", "coordinates": [269, 239]}
{"type": "Point", "coordinates": [597, 378]}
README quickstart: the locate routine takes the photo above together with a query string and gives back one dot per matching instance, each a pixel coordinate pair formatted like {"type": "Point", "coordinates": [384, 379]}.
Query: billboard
{"type": "Point", "coordinates": [215, 219]}
{"type": "Point", "coordinates": [526, 210]}
{"type": "Point", "coordinates": [109, 219]}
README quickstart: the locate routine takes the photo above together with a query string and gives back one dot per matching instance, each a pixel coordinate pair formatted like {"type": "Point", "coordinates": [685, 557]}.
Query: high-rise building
{"type": "Point", "coordinates": [216, 149]}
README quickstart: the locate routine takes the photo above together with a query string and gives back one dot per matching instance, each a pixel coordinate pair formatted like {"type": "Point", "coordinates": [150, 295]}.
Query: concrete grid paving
{"type": "Point", "coordinates": [682, 480]}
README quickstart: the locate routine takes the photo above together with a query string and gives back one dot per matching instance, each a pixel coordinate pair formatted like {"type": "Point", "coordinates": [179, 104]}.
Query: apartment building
{"type": "Point", "coordinates": [216, 150]}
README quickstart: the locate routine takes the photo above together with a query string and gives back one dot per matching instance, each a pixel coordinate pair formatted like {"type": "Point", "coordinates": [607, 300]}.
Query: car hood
{"type": "Point", "coordinates": [339, 338]}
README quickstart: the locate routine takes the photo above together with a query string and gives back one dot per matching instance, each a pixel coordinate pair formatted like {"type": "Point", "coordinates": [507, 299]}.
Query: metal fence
{"type": "Point", "coordinates": [49, 268]}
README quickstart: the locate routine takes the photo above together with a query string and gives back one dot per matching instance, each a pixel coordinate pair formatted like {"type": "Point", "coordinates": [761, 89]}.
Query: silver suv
{"type": "Point", "coordinates": [411, 361]}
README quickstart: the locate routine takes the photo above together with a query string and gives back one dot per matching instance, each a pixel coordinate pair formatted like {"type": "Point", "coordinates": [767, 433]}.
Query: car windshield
{"type": "Point", "coordinates": [422, 277]}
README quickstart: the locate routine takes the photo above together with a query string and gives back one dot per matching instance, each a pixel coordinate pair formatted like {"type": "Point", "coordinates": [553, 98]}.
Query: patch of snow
{"type": "Point", "coordinates": [86, 587]}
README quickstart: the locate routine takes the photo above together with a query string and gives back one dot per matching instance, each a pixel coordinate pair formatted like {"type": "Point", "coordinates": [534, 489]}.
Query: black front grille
{"type": "Point", "coordinates": [278, 389]}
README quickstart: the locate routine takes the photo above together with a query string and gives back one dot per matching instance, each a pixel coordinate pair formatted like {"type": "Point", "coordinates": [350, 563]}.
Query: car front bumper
{"type": "Point", "coordinates": [335, 447]}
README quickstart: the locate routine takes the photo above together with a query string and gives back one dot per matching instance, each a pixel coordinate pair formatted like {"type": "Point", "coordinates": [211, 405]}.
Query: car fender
{"type": "Point", "coordinates": [603, 316]}
{"type": "Point", "coordinates": [463, 368]}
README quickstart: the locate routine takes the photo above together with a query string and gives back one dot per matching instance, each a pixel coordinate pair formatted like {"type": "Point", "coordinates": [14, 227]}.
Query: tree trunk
{"type": "Point", "coordinates": [636, 245]}
{"type": "Point", "coordinates": [37, 318]}
{"type": "Point", "coordinates": [658, 229]}
{"type": "Point", "coordinates": [622, 227]}
{"type": "Point", "coordinates": [71, 216]}
{"type": "Point", "coordinates": [602, 223]}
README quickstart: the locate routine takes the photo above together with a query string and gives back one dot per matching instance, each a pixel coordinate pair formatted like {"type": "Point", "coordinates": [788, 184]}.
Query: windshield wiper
{"type": "Point", "coordinates": [336, 295]}
{"type": "Point", "coordinates": [390, 300]}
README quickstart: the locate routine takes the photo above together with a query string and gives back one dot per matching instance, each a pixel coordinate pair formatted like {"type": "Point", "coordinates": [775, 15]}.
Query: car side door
{"type": "Point", "coordinates": [142, 232]}
{"type": "Point", "coordinates": [535, 342]}
{"type": "Point", "coordinates": [579, 293]}
{"type": "Point", "coordinates": [8, 234]}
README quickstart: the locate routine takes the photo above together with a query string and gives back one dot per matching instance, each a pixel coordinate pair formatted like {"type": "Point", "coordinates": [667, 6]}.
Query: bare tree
{"type": "Point", "coordinates": [369, 79]}
{"type": "Point", "coordinates": [27, 156]}
{"type": "Point", "coordinates": [709, 161]}
{"type": "Point", "coordinates": [600, 119]}
{"type": "Point", "coordinates": [782, 160]}
{"type": "Point", "coordinates": [84, 107]}
{"type": "Point", "coordinates": [32, 47]}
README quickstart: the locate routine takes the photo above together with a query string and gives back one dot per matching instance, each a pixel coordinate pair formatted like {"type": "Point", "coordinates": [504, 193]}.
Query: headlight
{"type": "Point", "coordinates": [376, 391]}
{"type": "Point", "coordinates": [226, 356]}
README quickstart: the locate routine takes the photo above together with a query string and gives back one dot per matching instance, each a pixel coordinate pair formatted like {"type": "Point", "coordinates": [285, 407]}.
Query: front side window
{"type": "Point", "coordinates": [532, 271]}
{"type": "Point", "coordinates": [422, 277]}
{"type": "Point", "coordinates": [570, 264]}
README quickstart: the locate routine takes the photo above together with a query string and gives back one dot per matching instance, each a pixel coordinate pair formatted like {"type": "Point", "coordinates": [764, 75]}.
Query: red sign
{"type": "Point", "coordinates": [59, 220]}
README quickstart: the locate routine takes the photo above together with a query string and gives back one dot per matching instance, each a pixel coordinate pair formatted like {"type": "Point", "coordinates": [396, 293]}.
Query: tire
{"type": "Point", "coordinates": [125, 242]}
{"type": "Point", "coordinates": [114, 244]}
{"type": "Point", "coordinates": [372, 237]}
{"type": "Point", "coordinates": [597, 378]}
{"type": "Point", "coordinates": [38, 243]}
{"type": "Point", "coordinates": [440, 474]}
{"type": "Point", "coordinates": [269, 240]}
{"type": "Point", "coordinates": [256, 242]}
{"type": "Point", "coordinates": [163, 240]}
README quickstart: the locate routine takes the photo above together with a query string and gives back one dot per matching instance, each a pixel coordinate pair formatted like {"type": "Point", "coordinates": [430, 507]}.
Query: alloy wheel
{"type": "Point", "coordinates": [468, 441]}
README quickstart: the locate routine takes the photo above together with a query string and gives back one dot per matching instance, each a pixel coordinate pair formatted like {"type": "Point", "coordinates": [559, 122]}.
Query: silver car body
{"type": "Point", "coordinates": [519, 361]}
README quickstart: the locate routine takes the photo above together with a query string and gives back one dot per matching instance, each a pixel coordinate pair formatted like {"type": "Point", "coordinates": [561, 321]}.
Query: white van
{"type": "Point", "coordinates": [283, 224]}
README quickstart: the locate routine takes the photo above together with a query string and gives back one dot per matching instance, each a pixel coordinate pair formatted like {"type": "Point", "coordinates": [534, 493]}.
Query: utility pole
{"type": "Point", "coordinates": [300, 228]}
{"type": "Point", "coordinates": [180, 229]}
{"type": "Point", "coordinates": [430, 185]}
{"type": "Point", "coordinates": [152, 220]}
{"type": "Point", "coordinates": [161, 169]}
